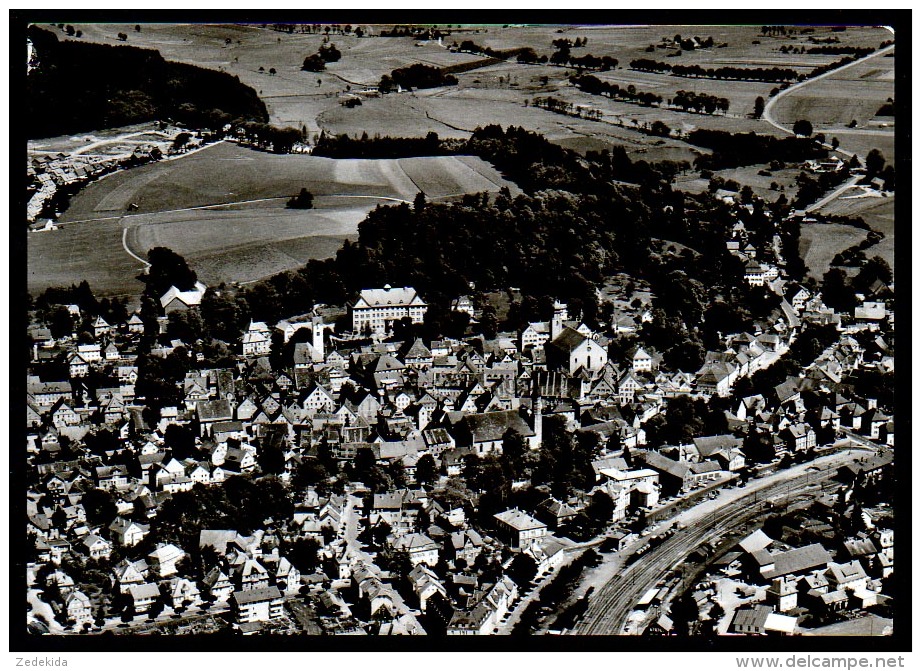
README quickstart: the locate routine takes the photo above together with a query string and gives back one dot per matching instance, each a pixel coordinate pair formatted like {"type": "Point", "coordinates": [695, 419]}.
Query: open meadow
{"type": "Point", "coordinates": [819, 243]}
{"type": "Point", "coordinates": [223, 208]}
{"type": "Point", "coordinates": [878, 212]}
{"type": "Point", "coordinates": [293, 96]}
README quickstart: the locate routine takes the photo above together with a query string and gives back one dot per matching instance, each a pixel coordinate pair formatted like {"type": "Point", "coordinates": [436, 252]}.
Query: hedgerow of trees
{"type": "Point", "coordinates": [726, 72]}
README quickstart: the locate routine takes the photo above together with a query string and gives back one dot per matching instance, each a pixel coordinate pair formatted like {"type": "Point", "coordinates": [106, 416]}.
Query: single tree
{"type": "Point", "coordinates": [802, 127]}
{"type": "Point", "coordinates": [523, 569]}
{"type": "Point", "coordinates": [302, 201]}
{"type": "Point", "coordinates": [875, 162]}
{"type": "Point", "coordinates": [426, 470]}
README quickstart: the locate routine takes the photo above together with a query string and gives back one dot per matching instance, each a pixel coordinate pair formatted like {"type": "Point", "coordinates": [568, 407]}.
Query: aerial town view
{"type": "Point", "coordinates": [439, 330]}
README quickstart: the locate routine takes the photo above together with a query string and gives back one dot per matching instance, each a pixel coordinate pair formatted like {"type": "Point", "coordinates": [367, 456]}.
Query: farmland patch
{"type": "Point", "coordinates": [223, 208]}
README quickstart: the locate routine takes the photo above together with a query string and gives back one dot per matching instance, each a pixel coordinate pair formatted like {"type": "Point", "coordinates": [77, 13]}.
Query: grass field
{"type": "Point", "coordinates": [879, 213]}
{"type": "Point", "coordinates": [229, 173]}
{"type": "Point", "coordinates": [820, 242]}
{"type": "Point", "coordinates": [855, 93]}
{"type": "Point", "coordinates": [862, 141]}
{"type": "Point", "coordinates": [245, 232]}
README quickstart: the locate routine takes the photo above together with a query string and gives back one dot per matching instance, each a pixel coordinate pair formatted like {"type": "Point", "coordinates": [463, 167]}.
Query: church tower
{"type": "Point", "coordinates": [538, 422]}
{"type": "Point", "coordinates": [319, 353]}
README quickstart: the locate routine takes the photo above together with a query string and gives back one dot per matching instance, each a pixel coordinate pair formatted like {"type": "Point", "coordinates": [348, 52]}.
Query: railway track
{"type": "Point", "coordinates": [607, 613]}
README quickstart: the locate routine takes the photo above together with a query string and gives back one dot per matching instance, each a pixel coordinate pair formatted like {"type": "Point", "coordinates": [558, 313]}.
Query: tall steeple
{"type": "Point", "coordinates": [539, 420]}
{"type": "Point", "coordinates": [319, 353]}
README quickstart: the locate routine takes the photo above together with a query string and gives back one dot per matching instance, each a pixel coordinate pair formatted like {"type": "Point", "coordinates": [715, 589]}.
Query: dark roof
{"type": "Point", "coordinates": [518, 520]}
{"type": "Point", "coordinates": [798, 560]}
{"type": "Point", "coordinates": [568, 340]}
{"type": "Point", "coordinates": [214, 410]}
{"type": "Point", "coordinates": [709, 445]}
{"type": "Point", "coordinates": [489, 426]}
{"type": "Point", "coordinates": [663, 464]}
{"type": "Point", "coordinates": [417, 350]}
{"type": "Point", "coordinates": [755, 617]}
{"type": "Point", "coordinates": [255, 595]}
{"type": "Point", "coordinates": [786, 390]}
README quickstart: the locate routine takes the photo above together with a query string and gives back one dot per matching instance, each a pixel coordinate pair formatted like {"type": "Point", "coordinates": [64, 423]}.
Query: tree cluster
{"type": "Point", "coordinates": [700, 102]}
{"type": "Point", "coordinates": [302, 201]}
{"type": "Point", "coordinates": [49, 307]}
{"type": "Point", "coordinates": [566, 43]}
{"type": "Point", "coordinates": [266, 136]}
{"type": "Point", "coordinates": [559, 106]}
{"type": "Point", "coordinates": [854, 255]}
{"type": "Point", "coordinates": [685, 418]}
{"type": "Point", "coordinates": [528, 55]}
{"type": "Point", "coordinates": [471, 47]}
{"type": "Point", "coordinates": [328, 53]}
{"type": "Point", "coordinates": [416, 76]}
{"type": "Point", "coordinates": [242, 503]}
{"type": "Point", "coordinates": [595, 86]}
{"type": "Point", "coordinates": [838, 290]}
{"type": "Point", "coordinates": [417, 32]}
{"type": "Point", "coordinates": [168, 269]}
{"type": "Point", "coordinates": [877, 167]}
{"type": "Point", "coordinates": [686, 43]}
{"type": "Point", "coordinates": [587, 62]}
{"type": "Point", "coordinates": [565, 459]}
{"type": "Point", "coordinates": [822, 69]}
{"type": "Point", "coordinates": [830, 50]}
{"type": "Point", "coordinates": [813, 186]}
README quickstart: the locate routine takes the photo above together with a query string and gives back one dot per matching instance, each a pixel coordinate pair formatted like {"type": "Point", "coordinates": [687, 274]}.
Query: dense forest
{"type": "Point", "coordinates": [103, 86]}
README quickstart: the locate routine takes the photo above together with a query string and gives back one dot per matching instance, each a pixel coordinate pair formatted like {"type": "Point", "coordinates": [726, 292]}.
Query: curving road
{"type": "Point", "coordinates": [769, 118]}
{"type": "Point", "coordinates": [609, 608]}
{"type": "Point", "coordinates": [769, 106]}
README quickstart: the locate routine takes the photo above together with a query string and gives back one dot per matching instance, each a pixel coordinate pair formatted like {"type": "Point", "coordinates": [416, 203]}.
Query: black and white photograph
{"type": "Point", "coordinates": [556, 335]}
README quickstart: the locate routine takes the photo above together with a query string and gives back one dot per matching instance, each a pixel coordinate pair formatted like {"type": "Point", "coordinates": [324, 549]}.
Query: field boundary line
{"type": "Point", "coordinates": [230, 204]}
